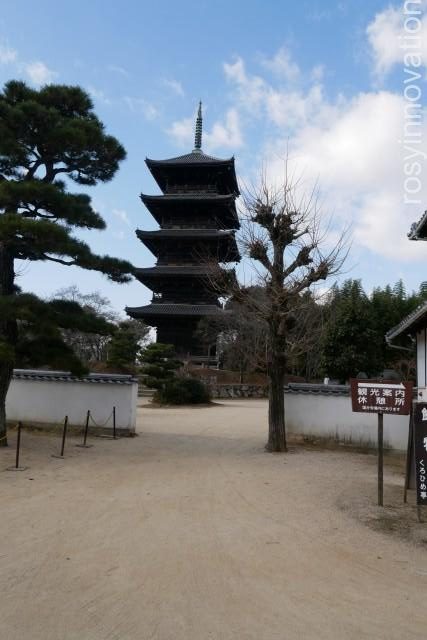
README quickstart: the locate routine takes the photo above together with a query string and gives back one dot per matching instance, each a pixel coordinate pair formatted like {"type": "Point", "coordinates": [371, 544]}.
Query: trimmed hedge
{"type": "Point", "coordinates": [183, 391]}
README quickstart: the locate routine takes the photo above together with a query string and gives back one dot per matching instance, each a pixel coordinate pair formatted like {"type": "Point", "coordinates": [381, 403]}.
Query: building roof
{"type": "Point", "coordinates": [410, 324]}
{"type": "Point", "coordinates": [221, 242]}
{"type": "Point", "coordinates": [39, 375]}
{"type": "Point", "coordinates": [318, 389]}
{"type": "Point", "coordinates": [166, 309]}
{"type": "Point", "coordinates": [218, 207]}
{"type": "Point", "coordinates": [154, 277]}
{"type": "Point", "coordinates": [176, 270]}
{"type": "Point", "coordinates": [418, 229]}
{"type": "Point", "coordinates": [195, 158]}
{"type": "Point", "coordinates": [193, 170]}
{"type": "Point", "coordinates": [168, 198]}
{"type": "Point", "coordinates": [185, 233]}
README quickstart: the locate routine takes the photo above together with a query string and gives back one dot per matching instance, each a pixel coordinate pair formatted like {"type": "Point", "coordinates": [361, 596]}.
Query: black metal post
{"type": "Point", "coordinates": [18, 445]}
{"type": "Point", "coordinates": [16, 467]}
{"type": "Point", "coordinates": [114, 423]}
{"type": "Point", "coordinates": [86, 428]}
{"type": "Point", "coordinates": [64, 435]}
{"type": "Point", "coordinates": [380, 459]}
{"type": "Point", "coordinates": [84, 445]}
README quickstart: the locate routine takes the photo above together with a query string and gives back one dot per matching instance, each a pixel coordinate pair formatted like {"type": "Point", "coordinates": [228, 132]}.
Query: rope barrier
{"type": "Point", "coordinates": [104, 423]}
{"type": "Point", "coordinates": [113, 415]}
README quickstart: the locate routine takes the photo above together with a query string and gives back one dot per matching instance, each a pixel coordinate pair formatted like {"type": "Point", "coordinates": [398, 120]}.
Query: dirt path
{"type": "Point", "coordinates": [191, 532]}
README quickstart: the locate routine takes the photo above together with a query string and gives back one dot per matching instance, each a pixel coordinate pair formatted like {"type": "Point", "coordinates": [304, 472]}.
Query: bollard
{"type": "Point", "coordinates": [64, 435]}
{"type": "Point", "coordinates": [18, 450]}
{"type": "Point", "coordinates": [104, 435]}
{"type": "Point", "coordinates": [84, 445]}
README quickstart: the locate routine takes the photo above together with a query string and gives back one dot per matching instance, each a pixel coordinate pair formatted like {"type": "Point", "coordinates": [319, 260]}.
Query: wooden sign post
{"type": "Point", "coordinates": [380, 397]}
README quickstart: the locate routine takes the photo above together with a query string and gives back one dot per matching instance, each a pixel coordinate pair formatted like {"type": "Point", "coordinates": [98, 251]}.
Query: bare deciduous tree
{"type": "Point", "coordinates": [285, 237]}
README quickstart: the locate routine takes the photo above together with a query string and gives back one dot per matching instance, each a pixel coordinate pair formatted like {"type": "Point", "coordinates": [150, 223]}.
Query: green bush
{"type": "Point", "coordinates": [183, 391]}
{"type": "Point", "coordinates": [159, 364]}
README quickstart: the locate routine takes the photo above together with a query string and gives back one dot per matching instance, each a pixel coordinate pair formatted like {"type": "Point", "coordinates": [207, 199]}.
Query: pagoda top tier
{"type": "Point", "coordinates": [195, 172]}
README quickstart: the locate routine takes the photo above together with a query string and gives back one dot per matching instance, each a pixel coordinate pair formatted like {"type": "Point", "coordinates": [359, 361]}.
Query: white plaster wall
{"type": "Point", "coordinates": [40, 401]}
{"type": "Point", "coordinates": [331, 416]}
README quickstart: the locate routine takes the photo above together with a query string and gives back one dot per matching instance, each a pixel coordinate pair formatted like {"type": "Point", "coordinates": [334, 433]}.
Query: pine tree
{"type": "Point", "coordinates": [47, 135]}
{"type": "Point", "coordinates": [159, 364]}
{"type": "Point", "coordinates": [351, 342]}
{"type": "Point", "coordinates": [125, 346]}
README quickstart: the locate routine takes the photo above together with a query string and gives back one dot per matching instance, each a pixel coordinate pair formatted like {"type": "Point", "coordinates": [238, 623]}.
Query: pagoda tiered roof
{"type": "Point", "coordinates": [221, 243]}
{"type": "Point", "coordinates": [197, 217]}
{"type": "Point", "coordinates": [222, 207]}
{"type": "Point", "coordinates": [155, 277]}
{"type": "Point", "coordinates": [192, 170]}
{"type": "Point", "coordinates": [195, 157]}
{"type": "Point", "coordinates": [186, 310]}
{"type": "Point", "coordinates": [177, 270]}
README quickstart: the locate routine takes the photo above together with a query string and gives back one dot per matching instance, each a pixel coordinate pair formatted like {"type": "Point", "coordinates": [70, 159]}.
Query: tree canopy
{"type": "Point", "coordinates": [49, 139]}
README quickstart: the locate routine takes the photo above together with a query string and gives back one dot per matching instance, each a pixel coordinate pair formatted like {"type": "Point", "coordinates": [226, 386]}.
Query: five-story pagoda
{"type": "Point", "coordinates": [197, 217]}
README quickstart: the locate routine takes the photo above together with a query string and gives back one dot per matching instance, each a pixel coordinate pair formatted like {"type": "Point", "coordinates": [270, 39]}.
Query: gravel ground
{"type": "Point", "coordinates": [191, 531]}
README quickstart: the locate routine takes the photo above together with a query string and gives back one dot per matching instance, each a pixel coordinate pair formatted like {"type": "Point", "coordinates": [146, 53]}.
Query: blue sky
{"type": "Point", "coordinates": [324, 79]}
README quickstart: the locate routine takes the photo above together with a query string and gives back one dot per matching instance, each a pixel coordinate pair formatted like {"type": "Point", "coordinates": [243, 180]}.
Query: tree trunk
{"type": "Point", "coordinates": [5, 378]}
{"type": "Point", "coordinates": [276, 410]}
{"type": "Point", "coordinates": [8, 334]}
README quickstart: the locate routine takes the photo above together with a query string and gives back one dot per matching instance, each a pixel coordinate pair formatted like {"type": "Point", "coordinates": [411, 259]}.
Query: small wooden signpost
{"type": "Point", "coordinates": [380, 397]}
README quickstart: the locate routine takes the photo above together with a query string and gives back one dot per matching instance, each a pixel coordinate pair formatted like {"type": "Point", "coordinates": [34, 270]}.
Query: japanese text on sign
{"type": "Point", "coordinates": [420, 447]}
{"type": "Point", "coordinates": [381, 397]}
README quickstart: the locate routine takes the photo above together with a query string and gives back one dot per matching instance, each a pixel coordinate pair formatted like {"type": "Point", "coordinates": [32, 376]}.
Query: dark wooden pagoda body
{"type": "Point", "coordinates": [197, 217]}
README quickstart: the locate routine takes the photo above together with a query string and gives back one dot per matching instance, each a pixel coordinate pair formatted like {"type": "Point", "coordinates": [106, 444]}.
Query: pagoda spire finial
{"type": "Point", "coordinates": [198, 134]}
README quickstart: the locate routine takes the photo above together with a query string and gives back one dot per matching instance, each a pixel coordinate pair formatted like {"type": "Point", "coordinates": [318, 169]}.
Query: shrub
{"type": "Point", "coordinates": [159, 364]}
{"type": "Point", "coordinates": [183, 391]}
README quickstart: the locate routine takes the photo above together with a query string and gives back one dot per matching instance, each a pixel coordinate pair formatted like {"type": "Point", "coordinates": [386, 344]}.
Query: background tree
{"type": "Point", "coordinates": [281, 234]}
{"type": "Point", "coordinates": [159, 364]}
{"type": "Point", "coordinates": [240, 336]}
{"type": "Point", "coordinates": [356, 325]}
{"type": "Point", "coordinates": [39, 332]}
{"type": "Point", "coordinates": [125, 346]}
{"type": "Point", "coordinates": [350, 343]}
{"type": "Point", "coordinates": [95, 349]}
{"type": "Point", "coordinates": [91, 348]}
{"type": "Point", "coordinates": [44, 135]}
{"type": "Point", "coordinates": [304, 338]}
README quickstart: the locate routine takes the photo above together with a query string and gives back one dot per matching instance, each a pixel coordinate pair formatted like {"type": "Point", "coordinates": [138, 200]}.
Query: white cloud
{"type": "Point", "coordinates": [350, 146]}
{"type": "Point", "coordinates": [39, 73]}
{"type": "Point", "coordinates": [7, 55]}
{"type": "Point", "coordinates": [387, 35]}
{"type": "Point", "coordinates": [283, 65]}
{"type": "Point", "coordinates": [115, 68]}
{"type": "Point", "coordinates": [99, 95]}
{"type": "Point", "coordinates": [251, 89]}
{"type": "Point", "coordinates": [317, 73]}
{"type": "Point", "coordinates": [223, 135]}
{"type": "Point", "coordinates": [121, 215]}
{"type": "Point", "coordinates": [140, 105]}
{"type": "Point", "coordinates": [226, 134]}
{"type": "Point", "coordinates": [174, 86]}
{"type": "Point", "coordinates": [182, 132]}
